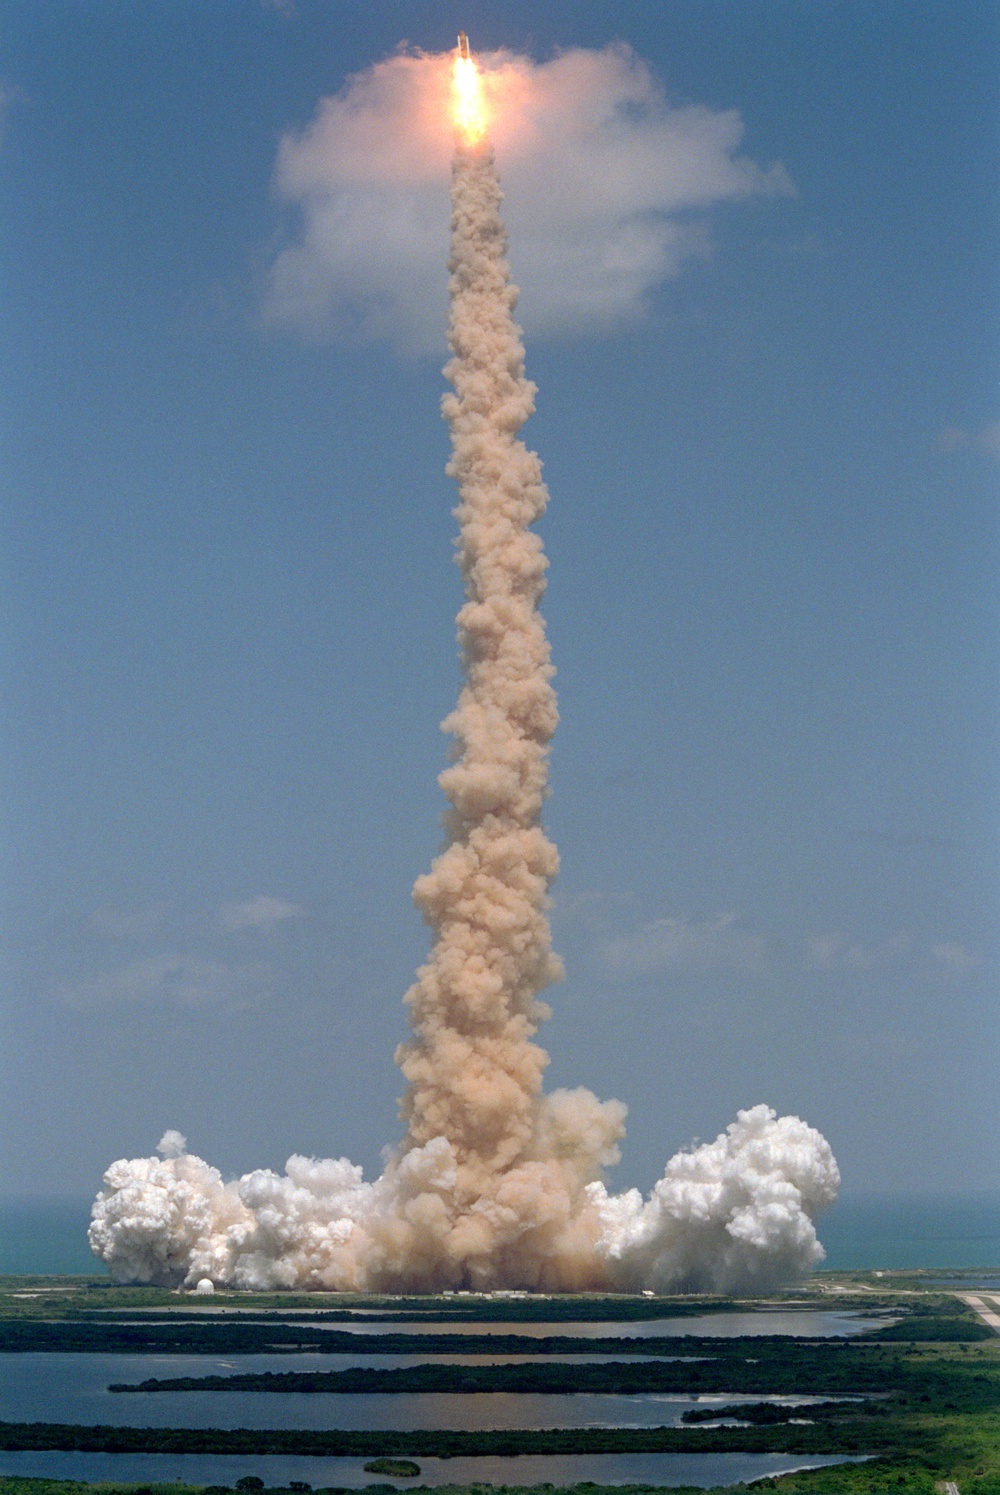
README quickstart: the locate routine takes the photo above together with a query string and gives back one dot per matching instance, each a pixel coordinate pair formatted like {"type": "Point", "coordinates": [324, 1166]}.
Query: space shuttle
{"type": "Point", "coordinates": [463, 45]}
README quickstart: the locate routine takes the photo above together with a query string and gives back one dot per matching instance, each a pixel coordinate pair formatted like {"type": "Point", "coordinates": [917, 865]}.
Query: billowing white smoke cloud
{"type": "Point", "coordinates": [494, 1184]}
{"type": "Point", "coordinates": [606, 185]}
{"type": "Point", "coordinates": [733, 1215]}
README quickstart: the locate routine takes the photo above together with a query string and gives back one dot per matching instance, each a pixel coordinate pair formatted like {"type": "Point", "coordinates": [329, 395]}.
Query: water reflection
{"type": "Point", "coordinates": [794, 1323]}
{"type": "Point", "coordinates": [702, 1470]}
{"type": "Point", "coordinates": [73, 1389]}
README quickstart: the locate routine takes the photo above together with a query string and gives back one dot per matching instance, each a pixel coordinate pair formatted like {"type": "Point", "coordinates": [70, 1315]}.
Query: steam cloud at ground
{"type": "Point", "coordinates": [494, 1184]}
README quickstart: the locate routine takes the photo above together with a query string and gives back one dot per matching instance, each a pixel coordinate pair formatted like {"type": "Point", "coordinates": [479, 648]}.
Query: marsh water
{"type": "Point", "coordinates": [796, 1323]}
{"type": "Point", "coordinates": [665, 1469]}
{"type": "Point", "coordinates": [73, 1389]}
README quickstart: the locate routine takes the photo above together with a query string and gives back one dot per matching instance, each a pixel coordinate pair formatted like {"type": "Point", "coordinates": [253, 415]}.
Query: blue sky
{"type": "Point", "coordinates": [228, 601]}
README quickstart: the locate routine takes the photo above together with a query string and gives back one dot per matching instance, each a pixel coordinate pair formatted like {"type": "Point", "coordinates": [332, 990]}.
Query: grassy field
{"type": "Point", "coordinates": [930, 1379]}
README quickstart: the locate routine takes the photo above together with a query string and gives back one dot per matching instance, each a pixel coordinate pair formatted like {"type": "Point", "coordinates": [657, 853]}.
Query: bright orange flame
{"type": "Point", "coordinates": [468, 107]}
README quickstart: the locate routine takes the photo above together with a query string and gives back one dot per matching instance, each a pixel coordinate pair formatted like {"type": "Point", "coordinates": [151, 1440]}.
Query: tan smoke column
{"type": "Point", "coordinates": [474, 1075]}
{"type": "Point", "coordinates": [494, 1183]}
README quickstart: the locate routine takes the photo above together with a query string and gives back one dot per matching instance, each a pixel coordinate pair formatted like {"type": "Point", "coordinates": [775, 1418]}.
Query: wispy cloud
{"type": "Point", "coordinates": [838, 951]}
{"type": "Point", "coordinates": [953, 962]}
{"type": "Point", "coordinates": [985, 439]}
{"type": "Point", "coordinates": [912, 840]}
{"type": "Point", "coordinates": [261, 913]}
{"type": "Point", "coordinates": [679, 946]}
{"type": "Point", "coordinates": [172, 981]}
{"type": "Point", "coordinates": [606, 186]}
{"type": "Point", "coordinates": [10, 94]}
{"type": "Point", "coordinates": [682, 945]}
{"type": "Point", "coordinates": [594, 899]}
{"type": "Point", "coordinates": [117, 923]}
{"type": "Point", "coordinates": [949, 961]}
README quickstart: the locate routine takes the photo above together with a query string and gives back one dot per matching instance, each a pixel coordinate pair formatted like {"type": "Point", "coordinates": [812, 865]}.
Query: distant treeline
{"type": "Point", "coordinates": [754, 1366]}
{"type": "Point", "coordinates": [766, 1414]}
{"type": "Point", "coordinates": [281, 1338]}
{"type": "Point", "coordinates": [192, 1337]}
{"type": "Point", "coordinates": [852, 1435]}
{"type": "Point", "coordinates": [888, 1476]}
{"type": "Point", "coordinates": [69, 1297]}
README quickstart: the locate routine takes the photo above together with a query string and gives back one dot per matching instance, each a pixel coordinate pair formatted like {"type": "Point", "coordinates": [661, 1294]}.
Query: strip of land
{"type": "Point", "coordinates": [766, 1367]}
{"type": "Point", "coordinates": [850, 1435]}
{"type": "Point", "coordinates": [888, 1477]}
{"type": "Point", "coordinates": [919, 1322]}
{"type": "Point", "coordinates": [986, 1314]}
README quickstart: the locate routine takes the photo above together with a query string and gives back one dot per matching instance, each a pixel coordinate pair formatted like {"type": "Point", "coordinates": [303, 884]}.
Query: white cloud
{"type": "Point", "coordinates": [682, 945]}
{"type": "Point", "coordinates": [602, 178]}
{"type": "Point", "coordinates": [258, 913]}
{"type": "Point", "coordinates": [838, 951]}
{"type": "Point", "coordinates": [128, 923]}
{"type": "Point", "coordinates": [172, 980]}
{"type": "Point", "coordinates": [986, 439]}
{"type": "Point", "coordinates": [823, 950]}
{"type": "Point", "coordinates": [953, 960]}
{"type": "Point", "coordinates": [949, 961]}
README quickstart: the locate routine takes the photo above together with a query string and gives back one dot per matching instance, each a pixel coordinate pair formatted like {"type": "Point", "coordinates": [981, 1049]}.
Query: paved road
{"type": "Point", "coordinates": [986, 1314]}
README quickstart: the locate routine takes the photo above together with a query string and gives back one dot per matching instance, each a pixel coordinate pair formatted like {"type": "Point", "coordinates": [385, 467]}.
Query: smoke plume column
{"type": "Point", "coordinates": [474, 1075]}
{"type": "Point", "coordinates": [495, 1184]}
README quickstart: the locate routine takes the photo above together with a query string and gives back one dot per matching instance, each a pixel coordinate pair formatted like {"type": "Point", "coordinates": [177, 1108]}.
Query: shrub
{"type": "Point", "coordinates": [398, 1468]}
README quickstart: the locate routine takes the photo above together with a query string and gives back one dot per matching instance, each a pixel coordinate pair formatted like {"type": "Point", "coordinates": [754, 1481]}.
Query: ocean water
{"type": "Point", "coordinates": [49, 1235]}
{"type": "Point", "coordinates": [873, 1231]}
{"type": "Point", "coordinates": [46, 1235]}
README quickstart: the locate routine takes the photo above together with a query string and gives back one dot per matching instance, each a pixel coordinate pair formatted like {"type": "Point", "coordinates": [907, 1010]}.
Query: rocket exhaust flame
{"type": "Point", "coordinates": [468, 105]}
{"type": "Point", "coordinates": [494, 1184]}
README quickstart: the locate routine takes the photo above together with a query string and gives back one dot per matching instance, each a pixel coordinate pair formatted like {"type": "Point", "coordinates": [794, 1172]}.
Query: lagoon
{"type": "Point", "coordinates": [73, 1389]}
{"type": "Point", "coordinates": [795, 1323]}
{"type": "Point", "coordinates": [704, 1470]}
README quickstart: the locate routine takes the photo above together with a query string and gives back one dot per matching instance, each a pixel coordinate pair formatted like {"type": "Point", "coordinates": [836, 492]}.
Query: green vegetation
{"type": "Point", "coordinates": [859, 1433]}
{"type": "Point", "coordinates": [928, 1381]}
{"type": "Point", "coordinates": [932, 1324]}
{"type": "Point", "coordinates": [282, 1338]}
{"type": "Point", "coordinates": [94, 1297]}
{"type": "Point", "coordinates": [400, 1468]}
{"type": "Point", "coordinates": [765, 1414]}
{"type": "Point", "coordinates": [941, 1318]}
{"type": "Point", "coordinates": [957, 1373]}
{"type": "Point", "coordinates": [97, 1297]}
{"type": "Point", "coordinates": [877, 1477]}
{"type": "Point", "coordinates": [871, 1478]}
